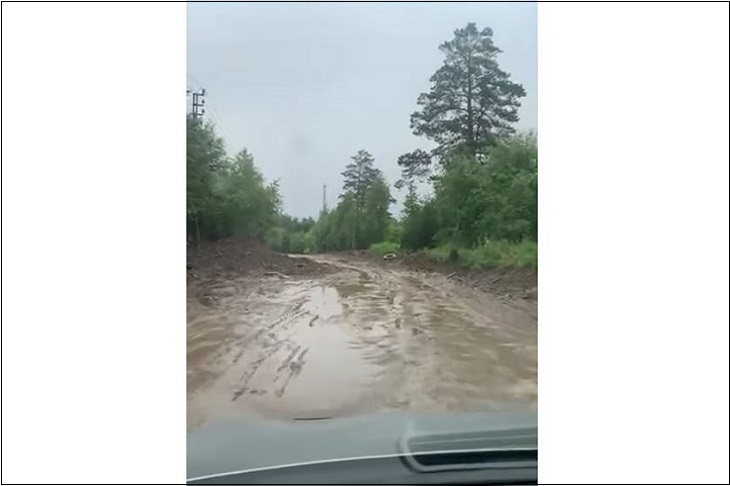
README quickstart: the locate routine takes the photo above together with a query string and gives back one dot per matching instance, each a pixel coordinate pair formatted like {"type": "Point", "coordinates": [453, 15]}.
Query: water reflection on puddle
{"type": "Point", "coordinates": [323, 302]}
{"type": "Point", "coordinates": [355, 341]}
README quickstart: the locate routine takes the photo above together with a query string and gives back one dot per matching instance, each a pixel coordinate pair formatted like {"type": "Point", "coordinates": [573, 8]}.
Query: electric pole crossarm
{"type": "Point", "coordinates": [198, 103]}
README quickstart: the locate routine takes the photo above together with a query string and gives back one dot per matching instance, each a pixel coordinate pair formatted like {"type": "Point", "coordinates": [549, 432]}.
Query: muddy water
{"type": "Point", "coordinates": [366, 338]}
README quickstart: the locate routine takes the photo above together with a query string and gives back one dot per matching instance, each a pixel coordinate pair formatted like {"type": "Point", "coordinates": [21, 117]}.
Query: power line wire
{"type": "Point", "coordinates": [195, 80]}
{"type": "Point", "coordinates": [219, 121]}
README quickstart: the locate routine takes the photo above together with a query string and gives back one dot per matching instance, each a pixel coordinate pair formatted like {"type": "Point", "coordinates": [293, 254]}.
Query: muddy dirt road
{"type": "Point", "coordinates": [362, 338]}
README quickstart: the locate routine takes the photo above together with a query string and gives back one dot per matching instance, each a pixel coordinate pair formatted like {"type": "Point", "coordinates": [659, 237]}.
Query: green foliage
{"type": "Point", "coordinates": [205, 155]}
{"type": "Point", "coordinates": [415, 167]}
{"type": "Point", "coordinates": [458, 197]}
{"type": "Point", "coordinates": [375, 216]}
{"type": "Point", "coordinates": [301, 242]}
{"type": "Point", "coordinates": [472, 102]}
{"type": "Point", "coordinates": [293, 225]}
{"type": "Point", "coordinates": [394, 232]}
{"type": "Point", "coordinates": [247, 205]}
{"type": "Point", "coordinates": [494, 198]}
{"type": "Point", "coordinates": [291, 235]}
{"type": "Point", "coordinates": [337, 229]}
{"type": "Point", "coordinates": [483, 208]}
{"type": "Point", "coordinates": [359, 176]}
{"type": "Point", "coordinates": [485, 186]}
{"type": "Point", "coordinates": [277, 239]}
{"type": "Point", "coordinates": [420, 224]}
{"type": "Point", "coordinates": [280, 239]}
{"type": "Point", "coordinates": [491, 254]}
{"type": "Point", "coordinates": [225, 196]}
{"type": "Point", "coordinates": [383, 248]}
{"type": "Point", "coordinates": [510, 191]}
{"type": "Point", "coordinates": [453, 255]}
{"type": "Point", "coordinates": [361, 217]}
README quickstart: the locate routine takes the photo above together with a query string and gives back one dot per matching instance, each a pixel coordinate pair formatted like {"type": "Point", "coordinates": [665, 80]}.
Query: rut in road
{"type": "Point", "coordinates": [365, 338]}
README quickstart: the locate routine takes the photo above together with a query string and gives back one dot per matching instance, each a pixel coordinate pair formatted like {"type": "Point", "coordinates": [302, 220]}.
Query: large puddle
{"type": "Point", "coordinates": [356, 341]}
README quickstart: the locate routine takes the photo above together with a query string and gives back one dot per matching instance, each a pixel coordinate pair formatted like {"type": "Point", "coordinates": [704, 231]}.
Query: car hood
{"type": "Point", "coordinates": [226, 446]}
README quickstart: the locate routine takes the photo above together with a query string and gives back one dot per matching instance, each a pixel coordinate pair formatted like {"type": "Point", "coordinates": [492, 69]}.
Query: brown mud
{"type": "Point", "coordinates": [333, 335]}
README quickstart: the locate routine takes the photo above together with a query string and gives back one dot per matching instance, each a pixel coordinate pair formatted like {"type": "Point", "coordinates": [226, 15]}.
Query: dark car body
{"type": "Point", "coordinates": [498, 448]}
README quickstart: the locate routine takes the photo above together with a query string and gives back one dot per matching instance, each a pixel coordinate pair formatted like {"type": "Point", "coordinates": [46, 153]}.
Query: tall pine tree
{"type": "Point", "coordinates": [472, 102]}
{"type": "Point", "coordinates": [359, 176]}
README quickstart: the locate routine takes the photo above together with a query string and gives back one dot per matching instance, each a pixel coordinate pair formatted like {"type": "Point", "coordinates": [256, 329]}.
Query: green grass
{"type": "Point", "coordinates": [383, 248]}
{"type": "Point", "coordinates": [493, 254]}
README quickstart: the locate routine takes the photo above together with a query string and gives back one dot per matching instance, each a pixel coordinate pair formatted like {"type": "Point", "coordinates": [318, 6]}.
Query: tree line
{"type": "Point", "coordinates": [226, 196]}
{"type": "Point", "coordinates": [481, 176]}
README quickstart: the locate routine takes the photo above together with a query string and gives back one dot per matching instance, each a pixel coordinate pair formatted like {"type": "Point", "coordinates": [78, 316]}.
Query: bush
{"type": "Point", "coordinates": [301, 242]}
{"type": "Point", "coordinates": [276, 239]}
{"type": "Point", "coordinates": [490, 254]}
{"type": "Point", "coordinates": [454, 255]}
{"type": "Point", "coordinates": [420, 226]}
{"type": "Point", "coordinates": [394, 232]}
{"type": "Point", "coordinates": [439, 254]}
{"type": "Point", "coordinates": [279, 239]}
{"type": "Point", "coordinates": [383, 248]}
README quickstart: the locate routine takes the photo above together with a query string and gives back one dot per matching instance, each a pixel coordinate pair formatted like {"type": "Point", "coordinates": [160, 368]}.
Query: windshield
{"type": "Point", "coordinates": [361, 213]}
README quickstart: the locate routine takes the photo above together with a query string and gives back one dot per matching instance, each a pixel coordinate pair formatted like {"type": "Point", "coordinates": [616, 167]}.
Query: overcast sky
{"type": "Point", "coordinates": [304, 86]}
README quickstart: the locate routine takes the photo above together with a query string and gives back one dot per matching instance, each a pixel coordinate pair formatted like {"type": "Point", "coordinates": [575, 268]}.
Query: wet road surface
{"type": "Point", "coordinates": [365, 338]}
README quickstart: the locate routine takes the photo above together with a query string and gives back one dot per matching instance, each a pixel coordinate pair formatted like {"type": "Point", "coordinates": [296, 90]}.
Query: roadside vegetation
{"type": "Point", "coordinates": [226, 195]}
{"type": "Point", "coordinates": [384, 248]}
{"type": "Point", "coordinates": [471, 200]}
{"type": "Point", "coordinates": [498, 254]}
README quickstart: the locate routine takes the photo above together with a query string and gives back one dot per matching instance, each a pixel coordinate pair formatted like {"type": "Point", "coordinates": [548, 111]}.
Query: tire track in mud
{"type": "Point", "coordinates": [271, 346]}
{"type": "Point", "coordinates": [363, 338]}
{"type": "Point", "coordinates": [468, 346]}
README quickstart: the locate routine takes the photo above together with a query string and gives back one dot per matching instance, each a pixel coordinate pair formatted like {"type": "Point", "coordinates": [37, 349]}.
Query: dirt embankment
{"type": "Point", "coordinates": [232, 258]}
{"type": "Point", "coordinates": [245, 256]}
{"type": "Point", "coordinates": [507, 283]}
{"type": "Point", "coordinates": [248, 256]}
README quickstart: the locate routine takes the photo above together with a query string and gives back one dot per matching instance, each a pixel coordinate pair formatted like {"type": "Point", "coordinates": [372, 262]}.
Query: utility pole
{"type": "Point", "coordinates": [324, 197]}
{"type": "Point", "coordinates": [198, 102]}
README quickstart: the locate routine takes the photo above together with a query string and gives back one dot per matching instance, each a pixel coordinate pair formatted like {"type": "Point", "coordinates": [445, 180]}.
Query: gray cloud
{"type": "Point", "coordinates": [304, 86]}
